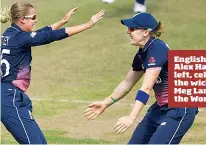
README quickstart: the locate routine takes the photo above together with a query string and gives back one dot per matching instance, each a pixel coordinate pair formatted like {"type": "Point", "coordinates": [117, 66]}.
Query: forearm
{"type": "Point", "coordinates": [143, 93]}
{"type": "Point", "coordinates": [120, 91]}
{"type": "Point", "coordinates": [80, 28]}
{"type": "Point", "coordinates": [137, 108]}
{"type": "Point", "coordinates": [124, 87]}
{"type": "Point", "coordinates": [58, 24]}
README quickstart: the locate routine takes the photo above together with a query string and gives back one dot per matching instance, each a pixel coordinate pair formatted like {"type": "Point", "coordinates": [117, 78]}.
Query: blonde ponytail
{"type": "Point", "coordinates": [16, 11]}
{"type": "Point", "coordinates": [5, 14]}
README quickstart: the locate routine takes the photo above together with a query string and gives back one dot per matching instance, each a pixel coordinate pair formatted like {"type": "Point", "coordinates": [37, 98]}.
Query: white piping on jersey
{"type": "Point", "coordinates": [15, 28]}
{"type": "Point", "coordinates": [19, 116]}
{"type": "Point", "coordinates": [149, 45]}
{"type": "Point", "coordinates": [178, 126]}
{"type": "Point", "coordinates": [154, 68]}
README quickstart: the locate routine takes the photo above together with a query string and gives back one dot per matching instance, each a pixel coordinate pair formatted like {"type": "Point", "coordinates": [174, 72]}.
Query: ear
{"type": "Point", "coordinates": [146, 32]}
{"type": "Point", "coordinates": [22, 20]}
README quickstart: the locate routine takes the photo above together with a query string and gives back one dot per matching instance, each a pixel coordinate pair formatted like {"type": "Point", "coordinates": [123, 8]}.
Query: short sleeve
{"type": "Point", "coordinates": [157, 55]}
{"type": "Point", "coordinates": [29, 39]}
{"type": "Point", "coordinates": [137, 63]}
{"type": "Point", "coordinates": [46, 28]}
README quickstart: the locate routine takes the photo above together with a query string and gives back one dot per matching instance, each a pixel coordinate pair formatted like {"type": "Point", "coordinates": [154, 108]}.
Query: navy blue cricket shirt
{"type": "Point", "coordinates": [155, 55]}
{"type": "Point", "coordinates": [16, 52]}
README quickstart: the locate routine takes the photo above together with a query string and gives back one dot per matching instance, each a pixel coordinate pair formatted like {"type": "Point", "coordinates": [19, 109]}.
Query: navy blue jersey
{"type": "Point", "coordinates": [16, 52]}
{"type": "Point", "coordinates": [155, 55]}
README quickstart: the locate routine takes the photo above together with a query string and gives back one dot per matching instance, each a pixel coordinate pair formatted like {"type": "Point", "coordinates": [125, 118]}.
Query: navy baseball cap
{"type": "Point", "coordinates": [141, 21]}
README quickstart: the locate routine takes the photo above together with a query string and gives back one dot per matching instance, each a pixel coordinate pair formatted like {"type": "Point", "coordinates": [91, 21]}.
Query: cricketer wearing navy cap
{"type": "Point", "coordinates": [141, 21]}
{"type": "Point", "coordinates": [161, 125]}
{"type": "Point", "coordinates": [17, 40]}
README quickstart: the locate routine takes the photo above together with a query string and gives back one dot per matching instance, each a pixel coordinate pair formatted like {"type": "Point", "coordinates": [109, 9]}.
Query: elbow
{"type": "Point", "coordinates": [127, 90]}
{"type": "Point", "coordinates": [127, 87]}
{"type": "Point", "coordinates": [67, 31]}
{"type": "Point", "coordinates": [146, 89]}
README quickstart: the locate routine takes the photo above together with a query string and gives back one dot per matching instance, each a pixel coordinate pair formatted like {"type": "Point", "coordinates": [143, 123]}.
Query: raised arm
{"type": "Point", "coordinates": [60, 23]}
{"type": "Point", "coordinates": [77, 29]}
{"type": "Point", "coordinates": [29, 39]}
{"type": "Point", "coordinates": [64, 20]}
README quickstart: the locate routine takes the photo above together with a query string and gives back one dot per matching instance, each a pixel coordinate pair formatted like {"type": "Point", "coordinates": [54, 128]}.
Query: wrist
{"type": "Point", "coordinates": [108, 102]}
{"type": "Point", "coordinates": [90, 24]}
{"type": "Point", "coordinates": [63, 21]}
{"type": "Point", "coordinates": [132, 117]}
{"type": "Point", "coordinates": [105, 104]}
{"type": "Point", "coordinates": [113, 100]}
{"type": "Point", "coordinates": [142, 96]}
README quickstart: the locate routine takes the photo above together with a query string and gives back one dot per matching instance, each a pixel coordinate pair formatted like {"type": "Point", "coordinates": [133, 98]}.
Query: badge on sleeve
{"type": "Point", "coordinates": [151, 61]}
{"type": "Point", "coordinates": [33, 34]}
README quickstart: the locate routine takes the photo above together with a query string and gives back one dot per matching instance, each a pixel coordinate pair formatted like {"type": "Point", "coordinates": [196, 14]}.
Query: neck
{"type": "Point", "coordinates": [21, 26]}
{"type": "Point", "coordinates": [144, 42]}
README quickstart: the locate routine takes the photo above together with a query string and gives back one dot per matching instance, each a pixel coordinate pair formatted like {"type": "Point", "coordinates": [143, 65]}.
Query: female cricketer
{"type": "Point", "coordinates": [16, 43]}
{"type": "Point", "coordinates": [161, 124]}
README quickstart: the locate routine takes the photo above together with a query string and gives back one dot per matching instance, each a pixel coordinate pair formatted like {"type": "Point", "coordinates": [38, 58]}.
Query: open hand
{"type": "Point", "coordinates": [67, 17]}
{"type": "Point", "coordinates": [94, 110]}
{"type": "Point", "coordinates": [123, 124]}
{"type": "Point", "coordinates": [98, 16]}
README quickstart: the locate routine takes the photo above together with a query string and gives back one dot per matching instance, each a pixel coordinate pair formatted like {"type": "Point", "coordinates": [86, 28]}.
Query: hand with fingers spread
{"type": "Point", "coordinates": [98, 16]}
{"type": "Point", "coordinates": [123, 124]}
{"type": "Point", "coordinates": [94, 110]}
{"type": "Point", "coordinates": [67, 17]}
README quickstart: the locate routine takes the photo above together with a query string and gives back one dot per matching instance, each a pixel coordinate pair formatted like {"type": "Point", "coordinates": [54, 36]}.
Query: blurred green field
{"type": "Point", "coordinates": [88, 66]}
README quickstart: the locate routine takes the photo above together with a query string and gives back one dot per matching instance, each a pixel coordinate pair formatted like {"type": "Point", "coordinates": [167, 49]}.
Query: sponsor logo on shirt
{"type": "Point", "coordinates": [163, 123]}
{"type": "Point", "coordinates": [159, 80]}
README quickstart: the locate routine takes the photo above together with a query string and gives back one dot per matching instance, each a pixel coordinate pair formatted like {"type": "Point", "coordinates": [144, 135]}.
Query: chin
{"type": "Point", "coordinates": [32, 28]}
{"type": "Point", "coordinates": [29, 29]}
{"type": "Point", "coordinates": [133, 43]}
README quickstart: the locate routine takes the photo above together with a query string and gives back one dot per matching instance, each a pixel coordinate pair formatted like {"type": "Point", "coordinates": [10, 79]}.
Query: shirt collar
{"type": "Point", "coordinates": [147, 45]}
{"type": "Point", "coordinates": [16, 27]}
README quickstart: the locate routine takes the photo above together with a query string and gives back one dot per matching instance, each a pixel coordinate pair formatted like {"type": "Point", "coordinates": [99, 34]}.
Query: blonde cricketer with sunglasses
{"type": "Point", "coordinates": [16, 59]}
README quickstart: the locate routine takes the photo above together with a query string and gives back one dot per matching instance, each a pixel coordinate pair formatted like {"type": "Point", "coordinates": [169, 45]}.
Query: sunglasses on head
{"type": "Point", "coordinates": [33, 17]}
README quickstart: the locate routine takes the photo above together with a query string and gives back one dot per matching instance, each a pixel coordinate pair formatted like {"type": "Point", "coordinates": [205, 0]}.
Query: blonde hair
{"type": "Point", "coordinates": [159, 30]}
{"type": "Point", "coordinates": [16, 11]}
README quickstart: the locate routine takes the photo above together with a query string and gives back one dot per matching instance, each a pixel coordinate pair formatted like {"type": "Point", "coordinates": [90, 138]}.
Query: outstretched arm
{"type": "Point", "coordinates": [119, 92]}
{"type": "Point", "coordinates": [77, 29]}
{"type": "Point", "coordinates": [37, 38]}
{"type": "Point", "coordinates": [60, 23]}
{"type": "Point", "coordinates": [149, 80]}
{"type": "Point", "coordinates": [124, 87]}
